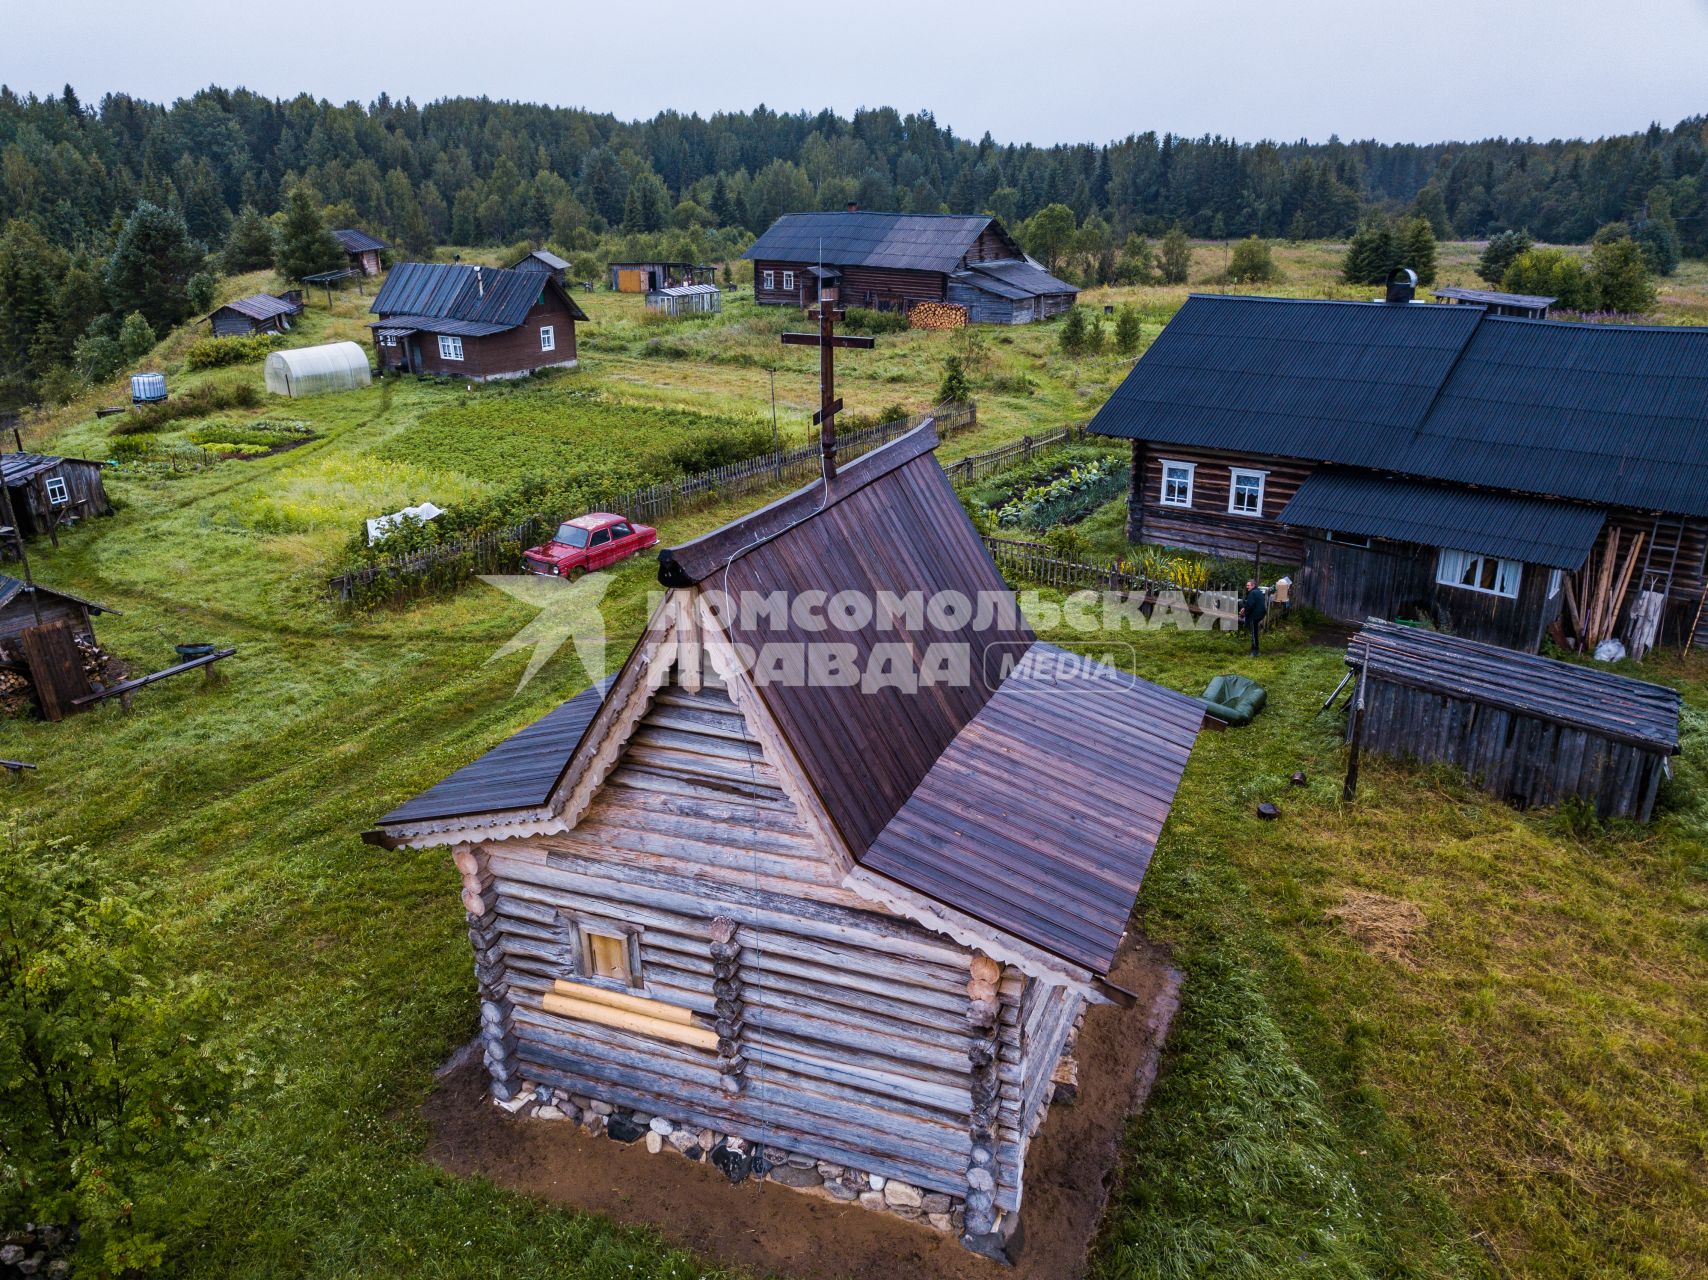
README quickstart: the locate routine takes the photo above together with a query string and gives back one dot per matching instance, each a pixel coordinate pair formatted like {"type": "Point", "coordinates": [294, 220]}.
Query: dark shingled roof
{"type": "Point", "coordinates": [1611, 706]}
{"type": "Point", "coordinates": [10, 588]}
{"type": "Point", "coordinates": [905, 241]}
{"type": "Point", "coordinates": [519, 773]}
{"type": "Point", "coordinates": [1557, 534]}
{"type": "Point", "coordinates": [353, 240]}
{"type": "Point", "coordinates": [422, 294]}
{"type": "Point", "coordinates": [259, 306]}
{"type": "Point", "coordinates": [1606, 414]}
{"type": "Point", "coordinates": [1013, 278]}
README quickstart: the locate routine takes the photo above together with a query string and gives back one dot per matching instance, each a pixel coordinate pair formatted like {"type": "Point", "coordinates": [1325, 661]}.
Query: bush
{"type": "Point", "coordinates": [1552, 273]}
{"type": "Point", "coordinates": [98, 356]}
{"type": "Point", "coordinates": [1499, 255]}
{"type": "Point", "coordinates": [107, 1083]}
{"type": "Point", "coordinates": [201, 291]}
{"type": "Point", "coordinates": [718, 449]}
{"type": "Point", "coordinates": [867, 321]}
{"type": "Point", "coordinates": [1174, 261]}
{"type": "Point", "coordinates": [216, 353]}
{"type": "Point", "coordinates": [1252, 263]}
{"type": "Point", "coordinates": [210, 397]}
{"type": "Point", "coordinates": [954, 389]}
{"type": "Point", "coordinates": [136, 337]}
{"type": "Point", "coordinates": [1619, 274]}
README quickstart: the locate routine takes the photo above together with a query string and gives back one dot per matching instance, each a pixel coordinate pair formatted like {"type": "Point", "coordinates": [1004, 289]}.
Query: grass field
{"type": "Point", "coordinates": [1423, 1036]}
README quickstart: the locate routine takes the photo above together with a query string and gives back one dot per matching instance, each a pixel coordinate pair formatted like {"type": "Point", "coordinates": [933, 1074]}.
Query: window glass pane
{"type": "Point", "coordinates": [602, 537]}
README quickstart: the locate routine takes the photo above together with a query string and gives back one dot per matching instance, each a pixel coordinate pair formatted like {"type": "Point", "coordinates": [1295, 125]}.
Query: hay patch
{"type": "Point", "coordinates": [1388, 927]}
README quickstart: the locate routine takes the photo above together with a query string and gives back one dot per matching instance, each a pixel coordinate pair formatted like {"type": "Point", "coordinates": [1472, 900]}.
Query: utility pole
{"type": "Point", "coordinates": [827, 313]}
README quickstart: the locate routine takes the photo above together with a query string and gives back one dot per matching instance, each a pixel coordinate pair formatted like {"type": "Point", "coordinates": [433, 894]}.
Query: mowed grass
{"type": "Point", "coordinates": [1520, 1086]}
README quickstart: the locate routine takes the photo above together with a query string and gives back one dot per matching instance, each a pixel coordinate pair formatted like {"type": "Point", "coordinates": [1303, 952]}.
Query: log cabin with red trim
{"type": "Point", "coordinates": [477, 323]}
{"type": "Point", "coordinates": [1502, 478]}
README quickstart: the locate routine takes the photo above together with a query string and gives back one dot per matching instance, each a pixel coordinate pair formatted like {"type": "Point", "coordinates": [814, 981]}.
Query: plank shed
{"type": "Point", "coordinates": [361, 250]}
{"type": "Point", "coordinates": [49, 492]}
{"type": "Point", "coordinates": [543, 260]}
{"type": "Point", "coordinates": [1531, 730]}
{"type": "Point", "coordinates": [257, 313]}
{"type": "Point", "coordinates": [828, 920]}
{"type": "Point", "coordinates": [20, 604]}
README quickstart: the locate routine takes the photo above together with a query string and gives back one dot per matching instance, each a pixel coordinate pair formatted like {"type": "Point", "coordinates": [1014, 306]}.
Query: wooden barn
{"type": "Point", "coordinates": [649, 277]}
{"type": "Point", "coordinates": [48, 493]}
{"type": "Point", "coordinates": [361, 250]}
{"type": "Point", "coordinates": [257, 313]}
{"type": "Point", "coordinates": [473, 322]}
{"type": "Point", "coordinates": [21, 603]}
{"type": "Point", "coordinates": [781, 894]}
{"type": "Point", "coordinates": [1528, 729]}
{"type": "Point", "coordinates": [546, 261]}
{"type": "Point", "coordinates": [892, 261]}
{"type": "Point", "coordinates": [1432, 462]}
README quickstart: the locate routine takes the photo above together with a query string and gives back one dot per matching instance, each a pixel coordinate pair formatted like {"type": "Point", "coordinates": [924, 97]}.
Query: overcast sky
{"type": "Point", "coordinates": [1027, 70]}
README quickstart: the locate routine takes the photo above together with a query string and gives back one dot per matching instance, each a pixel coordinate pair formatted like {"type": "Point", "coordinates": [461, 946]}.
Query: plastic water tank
{"type": "Point", "coordinates": [145, 387]}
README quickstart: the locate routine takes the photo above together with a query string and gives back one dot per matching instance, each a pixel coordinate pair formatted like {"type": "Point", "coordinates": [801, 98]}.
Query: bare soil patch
{"type": "Point", "coordinates": [1388, 927]}
{"type": "Point", "coordinates": [772, 1229]}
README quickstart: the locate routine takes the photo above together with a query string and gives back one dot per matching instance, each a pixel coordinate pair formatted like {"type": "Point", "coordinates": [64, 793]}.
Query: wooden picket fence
{"type": "Point", "coordinates": [1041, 563]}
{"type": "Point", "coordinates": [405, 577]}
{"type": "Point", "coordinates": [976, 466]}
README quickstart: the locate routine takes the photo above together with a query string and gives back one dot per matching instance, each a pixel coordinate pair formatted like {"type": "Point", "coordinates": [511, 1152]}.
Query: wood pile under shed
{"type": "Point", "coordinates": [937, 315]}
{"type": "Point", "coordinates": [1531, 730]}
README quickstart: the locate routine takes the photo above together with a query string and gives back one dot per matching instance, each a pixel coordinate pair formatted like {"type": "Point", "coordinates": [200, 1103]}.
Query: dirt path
{"type": "Point", "coordinates": [770, 1228]}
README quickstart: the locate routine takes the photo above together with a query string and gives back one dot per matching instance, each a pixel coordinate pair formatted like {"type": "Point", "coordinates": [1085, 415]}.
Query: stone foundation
{"type": "Point", "coordinates": [739, 1159]}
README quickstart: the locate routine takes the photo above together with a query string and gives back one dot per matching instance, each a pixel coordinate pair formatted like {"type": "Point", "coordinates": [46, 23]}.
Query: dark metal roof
{"type": "Point", "coordinates": [15, 468]}
{"type": "Point", "coordinates": [10, 588]}
{"type": "Point", "coordinates": [538, 259]}
{"type": "Point", "coordinates": [259, 306]}
{"type": "Point", "coordinates": [905, 241]}
{"type": "Point", "coordinates": [1336, 381]}
{"type": "Point", "coordinates": [1610, 414]}
{"type": "Point", "coordinates": [439, 324]}
{"type": "Point", "coordinates": [436, 292]}
{"type": "Point", "coordinates": [1494, 298]}
{"type": "Point", "coordinates": [1026, 278]}
{"type": "Point", "coordinates": [1600, 702]}
{"type": "Point", "coordinates": [519, 773]}
{"type": "Point", "coordinates": [1557, 534]}
{"type": "Point", "coordinates": [356, 241]}
{"type": "Point", "coordinates": [1059, 860]}
{"type": "Point", "coordinates": [1605, 414]}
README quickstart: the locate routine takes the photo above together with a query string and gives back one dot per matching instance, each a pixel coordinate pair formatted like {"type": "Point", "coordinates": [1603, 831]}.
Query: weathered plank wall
{"type": "Point", "coordinates": [1208, 525]}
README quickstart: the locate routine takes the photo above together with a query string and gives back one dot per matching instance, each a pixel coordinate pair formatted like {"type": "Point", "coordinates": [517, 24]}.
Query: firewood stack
{"type": "Point", "coordinates": [17, 690]}
{"type": "Point", "coordinates": [937, 315]}
{"type": "Point", "coordinates": [1596, 593]}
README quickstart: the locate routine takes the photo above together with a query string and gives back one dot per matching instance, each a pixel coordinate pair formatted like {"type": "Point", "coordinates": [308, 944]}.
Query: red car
{"type": "Point", "coordinates": [586, 543]}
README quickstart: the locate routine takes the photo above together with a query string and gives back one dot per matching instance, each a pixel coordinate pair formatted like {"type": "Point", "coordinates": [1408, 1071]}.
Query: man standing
{"type": "Point", "coordinates": [1252, 610]}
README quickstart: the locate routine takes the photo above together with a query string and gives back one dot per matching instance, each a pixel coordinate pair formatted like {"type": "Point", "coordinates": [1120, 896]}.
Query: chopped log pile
{"type": "Point", "coordinates": [937, 315]}
{"type": "Point", "coordinates": [17, 690]}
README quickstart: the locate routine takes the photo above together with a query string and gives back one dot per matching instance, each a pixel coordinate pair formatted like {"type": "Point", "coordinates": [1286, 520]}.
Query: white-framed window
{"type": "Point", "coordinates": [1177, 483]}
{"type": "Point", "coordinates": [788, 280]}
{"type": "Point", "coordinates": [548, 338]}
{"type": "Point", "coordinates": [57, 493]}
{"type": "Point", "coordinates": [770, 279]}
{"type": "Point", "coordinates": [1488, 574]}
{"type": "Point", "coordinates": [610, 954]}
{"type": "Point", "coordinates": [1245, 491]}
{"type": "Point", "coordinates": [450, 348]}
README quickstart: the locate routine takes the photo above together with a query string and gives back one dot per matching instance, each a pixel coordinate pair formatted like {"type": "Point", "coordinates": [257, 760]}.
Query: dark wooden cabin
{"type": "Point", "coordinates": [361, 250]}
{"type": "Point", "coordinates": [257, 313]}
{"type": "Point", "coordinates": [473, 322]}
{"type": "Point", "coordinates": [20, 603]}
{"type": "Point", "coordinates": [48, 492]}
{"type": "Point", "coordinates": [1531, 730]}
{"type": "Point", "coordinates": [1423, 461]}
{"type": "Point", "coordinates": [731, 890]}
{"type": "Point", "coordinates": [893, 261]}
{"type": "Point", "coordinates": [546, 261]}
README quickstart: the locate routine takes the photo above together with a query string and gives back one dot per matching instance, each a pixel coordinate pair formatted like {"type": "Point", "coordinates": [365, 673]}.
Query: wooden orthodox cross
{"type": "Point", "coordinates": [827, 313]}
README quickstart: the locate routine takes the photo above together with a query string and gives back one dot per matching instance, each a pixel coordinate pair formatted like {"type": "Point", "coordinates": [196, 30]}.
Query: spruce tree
{"type": "Point", "coordinates": [1073, 335]}
{"type": "Point", "coordinates": [1128, 331]}
{"type": "Point", "coordinates": [305, 246]}
{"type": "Point", "coordinates": [1499, 254]}
{"type": "Point", "coordinates": [1371, 254]}
{"type": "Point", "coordinates": [151, 267]}
{"type": "Point", "coordinates": [1417, 248]}
{"type": "Point", "coordinates": [248, 243]}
